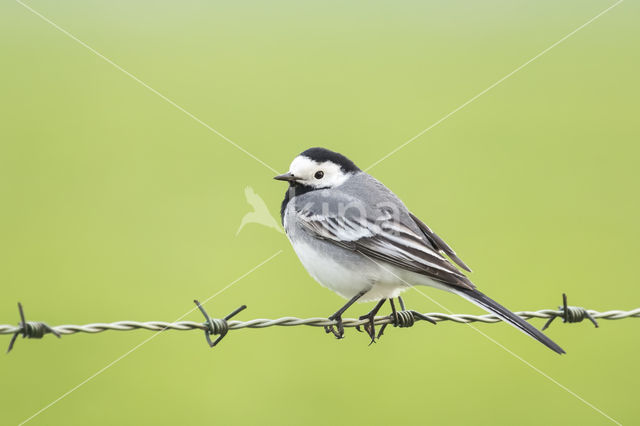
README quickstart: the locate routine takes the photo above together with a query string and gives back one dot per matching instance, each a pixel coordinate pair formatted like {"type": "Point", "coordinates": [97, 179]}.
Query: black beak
{"type": "Point", "coordinates": [287, 177]}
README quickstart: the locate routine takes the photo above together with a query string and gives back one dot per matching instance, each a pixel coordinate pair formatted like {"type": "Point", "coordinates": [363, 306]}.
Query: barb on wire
{"type": "Point", "coordinates": [571, 314]}
{"type": "Point", "coordinates": [220, 327]}
{"type": "Point", "coordinates": [217, 326]}
{"type": "Point", "coordinates": [30, 329]}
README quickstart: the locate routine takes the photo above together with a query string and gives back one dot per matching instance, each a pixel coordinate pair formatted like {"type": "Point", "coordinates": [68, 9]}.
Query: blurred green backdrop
{"type": "Point", "coordinates": [115, 205]}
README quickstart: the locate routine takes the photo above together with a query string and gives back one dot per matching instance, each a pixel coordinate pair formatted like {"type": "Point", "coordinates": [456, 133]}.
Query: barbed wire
{"type": "Point", "coordinates": [220, 327]}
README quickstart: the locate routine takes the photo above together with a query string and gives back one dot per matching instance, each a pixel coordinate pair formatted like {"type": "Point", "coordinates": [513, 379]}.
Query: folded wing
{"type": "Point", "coordinates": [390, 241]}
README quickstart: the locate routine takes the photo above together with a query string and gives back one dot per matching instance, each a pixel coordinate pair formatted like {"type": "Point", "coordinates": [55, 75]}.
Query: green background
{"type": "Point", "coordinates": [115, 205]}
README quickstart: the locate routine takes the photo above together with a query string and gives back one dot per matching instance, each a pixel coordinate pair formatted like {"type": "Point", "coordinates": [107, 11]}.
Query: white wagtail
{"type": "Point", "coordinates": [355, 236]}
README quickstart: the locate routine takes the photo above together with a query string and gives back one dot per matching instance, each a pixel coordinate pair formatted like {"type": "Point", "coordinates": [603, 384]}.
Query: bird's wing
{"type": "Point", "coordinates": [386, 240]}
{"type": "Point", "coordinates": [439, 243]}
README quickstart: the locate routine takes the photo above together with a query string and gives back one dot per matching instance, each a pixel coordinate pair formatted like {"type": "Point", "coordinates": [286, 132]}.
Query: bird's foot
{"type": "Point", "coordinates": [369, 327]}
{"type": "Point", "coordinates": [338, 329]}
{"type": "Point", "coordinates": [381, 332]}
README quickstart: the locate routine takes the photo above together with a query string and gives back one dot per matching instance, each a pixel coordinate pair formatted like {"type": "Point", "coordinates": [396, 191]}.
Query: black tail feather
{"type": "Point", "coordinates": [494, 307]}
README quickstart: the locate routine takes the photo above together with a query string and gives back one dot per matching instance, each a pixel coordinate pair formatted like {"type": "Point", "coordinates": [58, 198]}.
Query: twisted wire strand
{"type": "Point", "coordinates": [313, 322]}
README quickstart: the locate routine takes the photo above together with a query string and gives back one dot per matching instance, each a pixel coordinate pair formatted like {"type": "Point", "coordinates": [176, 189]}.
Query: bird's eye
{"type": "Point", "coordinates": [319, 174]}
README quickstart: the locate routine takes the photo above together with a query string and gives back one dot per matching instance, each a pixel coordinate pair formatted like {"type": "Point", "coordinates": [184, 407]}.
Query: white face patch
{"type": "Point", "coordinates": [318, 175]}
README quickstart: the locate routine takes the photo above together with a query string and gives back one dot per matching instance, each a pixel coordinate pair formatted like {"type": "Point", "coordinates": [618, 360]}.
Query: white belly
{"type": "Point", "coordinates": [348, 273]}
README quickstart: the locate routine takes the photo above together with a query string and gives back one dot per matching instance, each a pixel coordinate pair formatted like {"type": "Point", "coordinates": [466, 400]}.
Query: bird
{"type": "Point", "coordinates": [260, 213]}
{"type": "Point", "coordinates": [356, 237]}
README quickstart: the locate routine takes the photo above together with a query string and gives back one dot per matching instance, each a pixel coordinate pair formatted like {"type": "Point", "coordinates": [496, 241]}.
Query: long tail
{"type": "Point", "coordinates": [494, 307]}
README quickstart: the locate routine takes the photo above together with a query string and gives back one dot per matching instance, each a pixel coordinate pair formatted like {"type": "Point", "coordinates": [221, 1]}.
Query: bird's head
{"type": "Point", "coordinates": [319, 168]}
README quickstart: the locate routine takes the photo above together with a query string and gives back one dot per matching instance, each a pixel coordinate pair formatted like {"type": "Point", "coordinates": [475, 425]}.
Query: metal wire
{"type": "Point", "coordinates": [221, 326]}
{"type": "Point", "coordinates": [313, 322]}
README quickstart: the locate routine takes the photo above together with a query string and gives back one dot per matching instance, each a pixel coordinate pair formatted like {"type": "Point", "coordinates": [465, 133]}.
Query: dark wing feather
{"type": "Point", "coordinates": [439, 243]}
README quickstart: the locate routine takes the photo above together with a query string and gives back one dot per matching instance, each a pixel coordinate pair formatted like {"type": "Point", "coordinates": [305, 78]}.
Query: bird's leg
{"type": "Point", "coordinates": [394, 314]}
{"type": "Point", "coordinates": [337, 317]}
{"type": "Point", "coordinates": [370, 326]}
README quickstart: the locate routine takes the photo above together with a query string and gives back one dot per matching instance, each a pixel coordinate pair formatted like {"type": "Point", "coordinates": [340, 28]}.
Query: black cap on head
{"type": "Point", "coordinates": [322, 154]}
